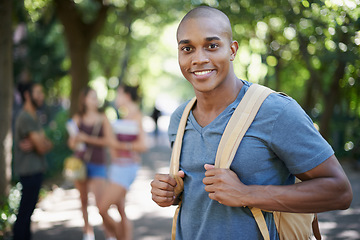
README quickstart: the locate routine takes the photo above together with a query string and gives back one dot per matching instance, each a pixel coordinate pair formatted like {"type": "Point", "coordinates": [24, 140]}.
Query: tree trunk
{"type": "Point", "coordinates": [308, 102]}
{"type": "Point", "coordinates": [6, 93]}
{"type": "Point", "coordinates": [79, 55]}
{"type": "Point", "coordinates": [79, 36]}
{"type": "Point", "coordinates": [330, 100]}
{"type": "Point", "coordinates": [126, 54]}
{"type": "Point", "coordinates": [277, 74]}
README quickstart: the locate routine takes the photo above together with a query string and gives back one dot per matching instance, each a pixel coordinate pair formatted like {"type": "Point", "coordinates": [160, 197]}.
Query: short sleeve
{"type": "Point", "coordinates": [296, 141]}
{"type": "Point", "coordinates": [27, 124]}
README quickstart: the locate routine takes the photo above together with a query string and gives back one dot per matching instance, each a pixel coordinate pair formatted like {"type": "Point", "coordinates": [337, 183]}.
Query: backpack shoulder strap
{"type": "Point", "coordinates": [175, 160]}
{"type": "Point", "coordinates": [239, 123]}
{"type": "Point", "coordinates": [235, 130]}
{"type": "Point", "coordinates": [176, 150]}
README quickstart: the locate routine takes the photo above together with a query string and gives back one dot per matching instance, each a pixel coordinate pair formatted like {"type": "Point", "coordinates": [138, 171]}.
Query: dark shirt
{"type": "Point", "coordinates": [27, 163]}
{"type": "Point", "coordinates": [98, 154]}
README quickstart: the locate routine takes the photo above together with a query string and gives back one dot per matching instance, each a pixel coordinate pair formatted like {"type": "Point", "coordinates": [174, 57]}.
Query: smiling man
{"type": "Point", "coordinates": [280, 144]}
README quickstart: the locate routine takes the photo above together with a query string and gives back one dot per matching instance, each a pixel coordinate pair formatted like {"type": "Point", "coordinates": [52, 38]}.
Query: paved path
{"type": "Point", "coordinates": [336, 225]}
{"type": "Point", "coordinates": [58, 216]}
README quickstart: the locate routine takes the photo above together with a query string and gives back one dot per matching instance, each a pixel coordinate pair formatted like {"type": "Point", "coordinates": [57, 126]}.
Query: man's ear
{"type": "Point", "coordinates": [234, 47]}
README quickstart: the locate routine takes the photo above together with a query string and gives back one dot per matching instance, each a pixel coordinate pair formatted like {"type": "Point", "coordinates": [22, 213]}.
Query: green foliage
{"type": "Point", "coordinates": [8, 211]}
{"type": "Point", "coordinates": [132, 47]}
{"type": "Point", "coordinates": [39, 48]}
{"type": "Point", "coordinates": [294, 46]}
{"type": "Point", "coordinates": [57, 133]}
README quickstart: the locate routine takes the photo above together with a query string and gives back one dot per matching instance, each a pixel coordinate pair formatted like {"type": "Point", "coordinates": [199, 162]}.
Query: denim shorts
{"type": "Point", "coordinates": [123, 175]}
{"type": "Point", "coordinates": [96, 170]}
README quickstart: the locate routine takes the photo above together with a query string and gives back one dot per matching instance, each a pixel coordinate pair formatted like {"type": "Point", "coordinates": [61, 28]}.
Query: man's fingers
{"type": "Point", "coordinates": [208, 167]}
{"type": "Point", "coordinates": [165, 178]}
{"type": "Point", "coordinates": [163, 186]}
{"type": "Point", "coordinates": [181, 174]}
{"type": "Point", "coordinates": [162, 193]}
{"type": "Point", "coordinates": [208, 180]}
{"type": "Point", "coordinates": [162, 190]}
{"type": "Point", "coordinates": [163, 201]}
{"type": "Point", "coordinates": [210, 188]}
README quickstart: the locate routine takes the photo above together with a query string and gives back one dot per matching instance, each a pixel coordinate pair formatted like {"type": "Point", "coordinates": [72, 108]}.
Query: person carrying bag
{"type": "Point", "coordinates": [75, 167]}
{"type": "Point", "coordinates": [289, 225]}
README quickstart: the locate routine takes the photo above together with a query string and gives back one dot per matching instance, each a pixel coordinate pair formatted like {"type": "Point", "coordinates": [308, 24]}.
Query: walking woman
{"type": "Point", "coordinates": [126, 149]}
{"type": "Point", "coordinates": [88, 119]}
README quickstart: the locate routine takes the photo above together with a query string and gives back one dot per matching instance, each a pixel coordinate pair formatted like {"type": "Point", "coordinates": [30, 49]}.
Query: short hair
{"type": "Point", "coordinates": [208, 12]}
{"type": "Point", "coordinates": [25, 87]}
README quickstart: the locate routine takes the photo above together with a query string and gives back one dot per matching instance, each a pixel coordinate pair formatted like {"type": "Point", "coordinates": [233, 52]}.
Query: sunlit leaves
{"type": "Point", "coordinates": [261, 30]}
{"type": "Point", "coordinates": [289, 33]}
{"type": "Point", "coordinates": [36, 8]}
{"type": "Point", "coordinates": [271, 61]}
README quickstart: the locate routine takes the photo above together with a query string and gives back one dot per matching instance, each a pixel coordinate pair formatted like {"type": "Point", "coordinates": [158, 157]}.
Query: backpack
{"type": "Point", "coordinates": [289, 225]}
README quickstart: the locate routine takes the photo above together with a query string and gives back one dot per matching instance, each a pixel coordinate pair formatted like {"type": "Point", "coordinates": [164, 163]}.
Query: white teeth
{"type": "Point", "coordinates": [202, 73]}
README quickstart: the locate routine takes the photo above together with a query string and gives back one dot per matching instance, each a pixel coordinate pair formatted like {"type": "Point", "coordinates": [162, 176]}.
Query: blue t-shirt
{"type": "Point", "coordinates": [280, 142]}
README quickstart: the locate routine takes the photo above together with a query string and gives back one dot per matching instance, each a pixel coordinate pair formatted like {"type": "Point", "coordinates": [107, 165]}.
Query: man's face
{"type": "Point", "coordinates": [37, 96]}
{"type": "Point", "coordinates": [205, 52]}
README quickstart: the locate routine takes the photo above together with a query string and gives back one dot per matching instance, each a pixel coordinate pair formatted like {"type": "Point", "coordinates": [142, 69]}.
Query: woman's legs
{"type": "Point", "coordinates": [82, 187]}
{"type": "Point", "coordinates": [113, 194]}
{"type": "Point", "coordinates": [98, 187]}
{"type": "Point", "coordinates": [125, 224]}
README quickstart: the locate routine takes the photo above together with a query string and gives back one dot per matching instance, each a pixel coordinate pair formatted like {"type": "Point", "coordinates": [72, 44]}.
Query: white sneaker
{"type": "Point", "coordinates": [88, 236]}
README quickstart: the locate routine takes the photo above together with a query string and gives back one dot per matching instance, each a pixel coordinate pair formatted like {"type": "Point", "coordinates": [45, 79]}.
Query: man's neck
{"type": "Point", "coordinates": [220, 97]}
{"type": "Point", "coordinates": [209, 105]}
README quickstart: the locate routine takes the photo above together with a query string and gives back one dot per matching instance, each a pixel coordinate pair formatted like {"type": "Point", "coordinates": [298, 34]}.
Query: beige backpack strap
{"type": "Point", "coordinates": [176, 149]}
{"type": "Point", "coordinates": [234, 132]}
{"type": "Point", "coordinates": [260, 220]}
{"type": "Point", "coordinates": [239, 123]}
{"type": "Point", "coordinates": [175, 160]}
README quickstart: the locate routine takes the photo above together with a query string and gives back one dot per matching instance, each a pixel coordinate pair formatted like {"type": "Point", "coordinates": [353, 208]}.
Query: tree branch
{"type": "Point", "coordinates": [95, 27]}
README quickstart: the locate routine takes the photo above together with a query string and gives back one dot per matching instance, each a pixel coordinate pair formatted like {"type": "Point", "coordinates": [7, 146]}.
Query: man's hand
{"type": "Point", "coordinates": [224, 186]}
{"type": "Point", "coordinates": [163, 189]}
{"type": "Point", "coordinates": [26, 145]}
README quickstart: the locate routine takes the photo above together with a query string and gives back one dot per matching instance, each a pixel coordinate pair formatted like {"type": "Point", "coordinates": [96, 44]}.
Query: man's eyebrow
{"type": "Point", "coordinates": [184, 41]}
{"type": "Point", "coordinates": [209, 39]}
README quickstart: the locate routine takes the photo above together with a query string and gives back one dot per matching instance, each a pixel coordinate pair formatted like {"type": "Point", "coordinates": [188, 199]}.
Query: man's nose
{"type": "Point", "coordinates": [200, 57]}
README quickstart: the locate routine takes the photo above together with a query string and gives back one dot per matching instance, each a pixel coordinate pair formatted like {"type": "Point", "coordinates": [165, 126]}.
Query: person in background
{"type": "Point", "coordinates": [126, 149]}
{"type": "Point", "coordinates": [87, 118]}
{"type": "Point", "coordinates": [156, 114]}
{"type": "Point", "coordinates": [30, 147]}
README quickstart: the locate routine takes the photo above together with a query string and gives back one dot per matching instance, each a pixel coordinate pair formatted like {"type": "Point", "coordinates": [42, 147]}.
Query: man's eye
{"type": "Point", "coordinates": [186, 49]}
{"type": "Point", "coordinates": [213, 46]}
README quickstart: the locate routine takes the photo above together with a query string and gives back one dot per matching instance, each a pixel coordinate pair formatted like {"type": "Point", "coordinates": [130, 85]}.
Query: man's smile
{"type": "Point", "coordinates": [200, 73]}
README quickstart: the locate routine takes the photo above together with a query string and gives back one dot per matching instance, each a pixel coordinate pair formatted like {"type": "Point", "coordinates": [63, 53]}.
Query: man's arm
{"type": "Point", "coordinates": [26, 145]}
{"type": "Point", "coordinates": [40, 142]}
{"type": "Point", "coordinates": [324, 188]}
